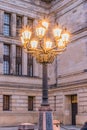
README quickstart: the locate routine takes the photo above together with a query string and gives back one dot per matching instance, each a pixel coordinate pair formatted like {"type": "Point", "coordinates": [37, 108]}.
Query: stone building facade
{"type": "Point", "coordinates": [21, 80]}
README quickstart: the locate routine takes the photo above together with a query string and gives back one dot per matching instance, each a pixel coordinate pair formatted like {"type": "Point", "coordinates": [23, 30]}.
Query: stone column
{"type": "Point", "coordinates": [13, 25]}
{"type": "Point", "coordinates": [1, 57]}
{"type": "Point", "coordinates": [1, 21]}
{"type": "Point", "coordinates": [13, 59]}
{"type": "Point", "coordinates": [24, 62]}
{"type": "Point", "coordinates": [35, 68]}
{"type": "Point", "coordinates": [24, 54]}
{"type": "Point", "coordinates": [24, 20]}
{"type": "Point", "coordinates": [13, 47]}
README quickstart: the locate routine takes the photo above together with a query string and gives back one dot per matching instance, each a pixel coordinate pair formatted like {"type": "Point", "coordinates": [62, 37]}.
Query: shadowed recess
{"type": "Point", "coordinates": [47, 1]}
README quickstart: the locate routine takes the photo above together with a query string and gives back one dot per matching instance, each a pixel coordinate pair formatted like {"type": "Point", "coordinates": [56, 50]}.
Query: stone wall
{"type": "Point", "coordinates": [67, 75]}
{"type": "Point", "coordinates": [19, 89]}
{"type": "Point", "coordinates": [72, 64]}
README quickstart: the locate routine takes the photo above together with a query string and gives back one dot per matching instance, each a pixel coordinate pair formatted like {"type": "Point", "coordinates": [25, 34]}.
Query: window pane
{"type": "Point", "coordinates": [18, 69]}
{"type": "Point", "coordinates": [30, 65]}
{"type": "Point", "coordinates": [18, 25]}
{"type": "Point", "coordinates": [30, 71]}
{"type": "Point", "coordinates": [6, 67]}
{"type": "Point", "coordinates": [19, 22]}
{"type": "Point", "coordinates": [6, 58]}
{"type": "Point", "coordinates": [18, 60]}
{"type": "Point", "coordinates": [54, 103]}
{"type": "Point", "coordinates": [6, 29]}
{"type": "Point", "coordinates": [30, 22]}
{"type": "Point", "coordinates": [30, 103]}
{"type": "Point", "coordinates": [6, 102]}
{"type": "Point", "coordinates": [6, 18]}
{"type": "Point", "coordinates": [18, 51]}
{"type": "Point", "coordinates": [6, 50]}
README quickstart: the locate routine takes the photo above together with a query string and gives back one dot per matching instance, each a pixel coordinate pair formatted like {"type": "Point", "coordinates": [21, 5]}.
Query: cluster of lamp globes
{"type": "Point", "coordinates": [41, 42]}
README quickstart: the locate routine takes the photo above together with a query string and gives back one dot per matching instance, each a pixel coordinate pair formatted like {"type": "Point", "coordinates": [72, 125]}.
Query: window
{"type": "Point", "coordinates": [6, 102]}
{"type": "Point", "coordinates": [74, 99]}
{"type": "Point", "coordinates": [30, 22]}
{"type": "Point", "coordinates": [18, 24]}
{"type": "Point", "coordinates": [6, 57]}
{"type": "Point", "coordinates": [29, 65]}
{"type": "Point", "coordinates": [54, 103]}
{"type": "Point", "coordinates": [18, 60]}
{"type": "Point", "coordinates": [7, 28]}
{"type": "Point", "coordinates": [30, 103]}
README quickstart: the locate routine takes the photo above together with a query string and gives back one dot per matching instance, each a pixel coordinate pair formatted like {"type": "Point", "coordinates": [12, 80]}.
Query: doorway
{"type": "Point", "coordinates": [74, 108]}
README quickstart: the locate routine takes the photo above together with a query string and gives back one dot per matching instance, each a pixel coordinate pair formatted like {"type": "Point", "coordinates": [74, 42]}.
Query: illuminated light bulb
{"type": "Point", "coordinates": [40, 31]}
{"type": "Point", "coordinates": [45, 24]}
{"type": "Point", "coordinates": [61, 44]}
{"type": "Point", "coordinates": [26, 34]}
{"type": "Point", "coordinates": [48, 44]}
{"type": "Point", "coordinates": [57, 32]}
{"type": "Point", "coordinates": [34, 44]}
{"type": "Point", "coordinates": [65, 37]}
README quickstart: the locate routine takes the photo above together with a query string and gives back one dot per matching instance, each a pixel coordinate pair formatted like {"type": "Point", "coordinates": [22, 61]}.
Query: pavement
{"type": "Point", "coordinates": [61, 128]}
{"type": "Point", "coordinates": [70, 127]}
{"type": "Point", "coordinates": [8, 128]}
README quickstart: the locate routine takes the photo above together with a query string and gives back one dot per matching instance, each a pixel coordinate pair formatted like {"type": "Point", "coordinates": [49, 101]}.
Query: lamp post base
{"type": "Point", "coordinates": [45, 118]}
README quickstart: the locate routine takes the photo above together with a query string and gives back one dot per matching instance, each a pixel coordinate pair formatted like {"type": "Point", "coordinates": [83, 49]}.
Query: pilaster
{"type": "Point", "coordinates": [24, 63]}
{"type": "Point", "coordinates": [35, 68]}
{"type": "Point", "coordinates": [13, 59]}
{"type": "Point", "coordinates": [1, 21]}
{"type": "Point", "coordinates": [1, 57]}
{"type": "Point", "coordinates": [24, 20]}
{"type": "Point", "coordinates": [13, 24]}
{"type": "Point", "coordinates": [24, 54]}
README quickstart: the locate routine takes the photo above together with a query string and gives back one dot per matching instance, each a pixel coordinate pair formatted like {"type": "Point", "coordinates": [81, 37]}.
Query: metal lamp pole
{"type": "Point", "coordinates": [45, 112]}
{"type": "Point", "coordinates": [45, 86]}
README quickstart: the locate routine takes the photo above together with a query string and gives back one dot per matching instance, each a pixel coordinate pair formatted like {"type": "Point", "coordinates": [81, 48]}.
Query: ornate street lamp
{"type": "Point", "coordinates": [44, 46]}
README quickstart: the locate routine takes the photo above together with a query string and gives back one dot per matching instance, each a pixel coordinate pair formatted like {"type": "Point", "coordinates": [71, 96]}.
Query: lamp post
{"type": "Point", "coordinates": [44, 49]}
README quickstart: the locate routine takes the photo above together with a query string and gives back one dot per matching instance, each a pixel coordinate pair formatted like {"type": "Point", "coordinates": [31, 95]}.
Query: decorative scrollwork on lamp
{"type": "Point", "coordinates": [40, 45]}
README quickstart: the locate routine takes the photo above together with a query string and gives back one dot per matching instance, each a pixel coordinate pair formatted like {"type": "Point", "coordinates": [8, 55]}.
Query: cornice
{"type": "Point", "coordinates": [19, 81]}
{"type": "Point", "coordinates": [64, 6]}
{"type": "Point", "coordinates": [69, 85]}
{"type": "Point", "coordinates": [20, 86]}
{"type": "Point", "coordinates": [31, 10]}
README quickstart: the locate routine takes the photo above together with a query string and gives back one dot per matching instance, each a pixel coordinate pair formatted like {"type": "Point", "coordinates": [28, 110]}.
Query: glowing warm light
{"type": "Point", "coordinates": [40, 32]}
{"type": "Point", "coordinates": [65, 37]}
{"type": "Point", "coordinates": [26, 34]}
{"type": "Point", "coordinates": [22, 40]}
{"type": "Point", "coordinates": [57, 32]}
{"type": "Point", "coordinates": [34, 44]}
{"type": "Point", "coordinates": [45, 24]}
{"type": "Point", "coordinates": [48, 44]}
{"type": "Point", "coordinates": [41, 43]}
{"type": "Point", "coordinates": [61, 44]}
